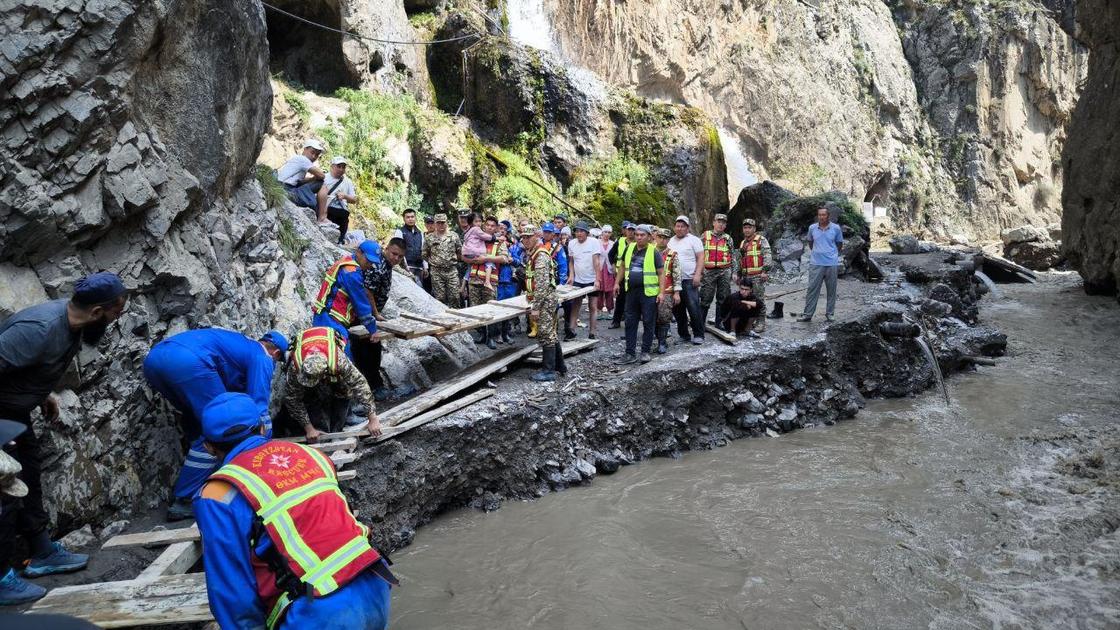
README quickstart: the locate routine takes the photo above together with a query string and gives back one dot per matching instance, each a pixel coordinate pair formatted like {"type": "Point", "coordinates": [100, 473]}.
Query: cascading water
{"type": "Point", "coordinates": [934, 365]}
{"type": "Point", "coordinates": [988, 283]}
{"type": "Point", "coordinates": [739, 174]}
{"type": "Point", "coordinates": [529, 24]}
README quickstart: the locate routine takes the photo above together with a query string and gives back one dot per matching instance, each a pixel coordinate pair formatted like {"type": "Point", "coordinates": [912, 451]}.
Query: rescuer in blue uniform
{"type": "Point", "coordinates": [190, 369]}
{"type": "Point", "coordinates": [245, 564]}
{"type": "Point", "coordinates": [342, 300]}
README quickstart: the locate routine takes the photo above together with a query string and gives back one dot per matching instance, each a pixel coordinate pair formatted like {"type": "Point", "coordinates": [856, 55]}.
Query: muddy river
{"type": "Point", "coordinates": [999, 511]}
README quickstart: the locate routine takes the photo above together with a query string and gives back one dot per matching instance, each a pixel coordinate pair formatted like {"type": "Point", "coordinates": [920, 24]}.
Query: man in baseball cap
{"type": "Point", "coordinates": [301, 178]}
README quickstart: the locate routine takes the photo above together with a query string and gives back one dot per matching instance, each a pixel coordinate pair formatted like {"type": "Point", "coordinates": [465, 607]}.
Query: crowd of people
{"type": "Point", "coordinates": [276, 526]}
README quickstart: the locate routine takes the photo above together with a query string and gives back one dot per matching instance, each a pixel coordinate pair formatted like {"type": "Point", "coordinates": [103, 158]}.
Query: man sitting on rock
{"type": "Point", "coordinates": [322, 382]}
{"type": "Point", "coordinates": [301, 178]}
{"type": "Point", "coordinates": [337, 191]}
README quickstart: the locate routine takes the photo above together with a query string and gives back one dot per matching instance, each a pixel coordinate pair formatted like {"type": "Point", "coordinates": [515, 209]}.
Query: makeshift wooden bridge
{"type": "Point", "coordinates": [167, 593]}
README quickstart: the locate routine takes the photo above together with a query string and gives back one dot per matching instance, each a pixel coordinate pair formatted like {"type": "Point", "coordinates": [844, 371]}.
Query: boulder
{"type": "Point", "coordinates": [1036, 255]}
{"type": "Point", "coordinates": [441, 161]}
{"type": "Point", "coordinates": [21, 288]}
{"type": "Point", "coordinates": [758, 202]}
{"type": "Point", "coordinates": [907, 244]}
{"type": "Point", "coordinates": [1023, 234]}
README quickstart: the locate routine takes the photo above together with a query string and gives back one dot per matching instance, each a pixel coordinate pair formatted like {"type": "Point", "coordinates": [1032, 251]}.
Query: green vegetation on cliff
{"type": "Point", "coordinates": [621, 189]}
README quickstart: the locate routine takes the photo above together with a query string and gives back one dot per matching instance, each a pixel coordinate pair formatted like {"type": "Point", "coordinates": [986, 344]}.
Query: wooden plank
{"type": "Point", "coordinates": [507, 304]}
{"type": "Point", "coordinates": [341, 459]}
{"type": "Point", "coordinates": [337, 445]}
{"type": "Point", "coordinates": [408, 328]}
{"type": "Point", "coordinates": [177, 558]}
{"type": "Point", "coordinates": [444, 321]}
{"type": "Point", "coordinates": [569, 347]}
{"type": "Point", "coordinates": [361, 332]}
{"type": "Point", "coordinates": [722, 335]}
{"type": "Point", "coordinates": [464, 380]}
{"type": "Point", "coordinates": [347, 475]}
{"type": "Point", "coordinates": [171, 599]}
{"type": "Point", "coordinates": [434, 414]}
{"type": "Point", "coordinates": [153, 539]}
{"type": "Point", "coordinates": [469, 313]}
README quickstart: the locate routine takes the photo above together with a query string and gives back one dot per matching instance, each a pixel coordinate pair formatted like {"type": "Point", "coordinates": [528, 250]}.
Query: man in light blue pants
{"type": "Point", "coordinates": [826, 239]}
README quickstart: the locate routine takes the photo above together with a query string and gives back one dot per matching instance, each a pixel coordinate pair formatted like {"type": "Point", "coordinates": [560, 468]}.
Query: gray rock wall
{"type": "Point", "coordinates": [1091, 197]}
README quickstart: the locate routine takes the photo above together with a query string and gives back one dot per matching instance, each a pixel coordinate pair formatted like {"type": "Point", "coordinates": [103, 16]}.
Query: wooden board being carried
{"type": "Point", "coordinates": [168, 599]}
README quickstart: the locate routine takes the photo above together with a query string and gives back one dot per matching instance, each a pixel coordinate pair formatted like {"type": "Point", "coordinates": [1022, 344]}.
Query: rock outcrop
{"type": "Point", "coordinates": [129, 132]}
{"type": "Point", "coordinates": [889, 102]}
{"type": "Point", "coordinates": [326, 60]}
{"type": "Point", "coordinates": [1091, 197]}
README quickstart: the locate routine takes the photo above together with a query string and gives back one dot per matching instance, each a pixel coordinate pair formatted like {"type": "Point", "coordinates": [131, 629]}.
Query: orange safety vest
{"type": "Point", "coordinates": [479, 272]}
{"type": "Point", "coordinates": [530, 281]}
{"type": "Point", "coordinates": [322, 340]}
{"type": "Point", "coordinates": [333, 297]}
{"type": "Point", "coordinates": [294, 491]}
{"type": "Point", "coordinates": [669, 255]}
{"type": "Point", "coordinates": [751, 262]}
{"type": "Point", "coordinates": [717, 251]}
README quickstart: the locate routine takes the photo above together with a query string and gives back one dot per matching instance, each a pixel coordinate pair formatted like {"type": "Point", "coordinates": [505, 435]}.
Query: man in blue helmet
{"type": "Point", "coordinates": [190, 369]}
{"type": "Point", "coordinates": [343, 299]}
{"type": "Point", "coordinates": [282, 548]}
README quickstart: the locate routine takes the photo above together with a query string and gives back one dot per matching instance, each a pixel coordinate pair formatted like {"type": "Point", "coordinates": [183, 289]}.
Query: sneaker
{"type": "Point", "coordinates": [604, 318]}
{"type": "Point", "coordinates": [490, 344]}
{"type": "Point", "coordinates": [662, 348]}
{"type": "Point", "coordinates": [569, 335]}
{"type": "Point", "coordinates": [614, 326]}
{"type": "Point", "coordinates": [627, 359]}
{"type": "Point", "coordinates": [646, 358]}
{"type": "Point", "coordinates": [697, 341]}
{"type": "Point", "coordinates": [179, 510]}
{"type": "Point", "coordinates": [592, 336]}
{"type": "Point", "coordinates": [543, 376]}
{"type": "Point", "coordinates": [15, 590]}
{"type": "Point", "coordinates": [829, 318]}
{"type": "Point", "coordinates": [754, 334]}
{"type": "Point", "coordinates": [404, 390]}
{"type": "Point", "coordinates": [805, 318]}
{"type": "Point", "coordinates": [58, 561]}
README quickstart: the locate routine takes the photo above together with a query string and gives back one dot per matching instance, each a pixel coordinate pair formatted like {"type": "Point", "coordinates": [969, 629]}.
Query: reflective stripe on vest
{"type": "Point", "coordinates": [649, 271]}
{"type": "Point", "coordinates": [717, 251]}
{"type": "Point", "coordinates": [294, 490]}
{"type": "Point", "coordinates": [624, 249]}
{"type": "Point", "coordinates": [333, 297]}
{"type": "Point", "coordinates": [479, 272]}
{"type": "Point", "coordinates": [669, 256]}
{"type": "Point", "coordinates": [751, 263]}
{"type": "Point", "coordinates": [319, 340]}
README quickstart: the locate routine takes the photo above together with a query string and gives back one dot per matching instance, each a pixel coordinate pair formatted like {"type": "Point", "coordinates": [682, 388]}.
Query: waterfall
{"type": "Point", "coordinates": [739, 174]}
{"type": "Point", "coordinates": [529, 24]}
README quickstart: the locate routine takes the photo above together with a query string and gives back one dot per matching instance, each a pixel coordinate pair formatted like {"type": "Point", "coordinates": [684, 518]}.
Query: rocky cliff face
{"type": "Point", "coordinates": [949, 115]}
{"type": "Point", "coordinates": [1091, 197]}
{"type": "Point", "coordinates": [129, 131]}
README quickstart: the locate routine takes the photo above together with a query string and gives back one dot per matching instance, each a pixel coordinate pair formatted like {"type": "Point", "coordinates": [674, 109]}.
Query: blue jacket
{"type": "Point", "coordinates": [226, 523]}
{"type": "Point", "coordinates": [516, 253]}
{"type": "Point", "coordinates": [562, 266]}
{"type": "Point", "coordinates": [354, 282]}
{"type": "Point", "coordinates": [239, 361]}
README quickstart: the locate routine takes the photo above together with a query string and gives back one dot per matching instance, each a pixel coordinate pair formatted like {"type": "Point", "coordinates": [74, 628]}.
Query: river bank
{"type": "Point", "coordinates": [998, 511]}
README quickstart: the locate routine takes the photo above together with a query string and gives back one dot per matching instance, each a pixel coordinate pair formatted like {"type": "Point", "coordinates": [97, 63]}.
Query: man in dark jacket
{"type": "Point", "coordinates": [37, 346]}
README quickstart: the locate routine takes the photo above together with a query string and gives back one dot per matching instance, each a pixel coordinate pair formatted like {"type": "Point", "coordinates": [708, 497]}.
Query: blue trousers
{"type": "Point", "coordinates": [640, 308]}
{"type": "Point", "coordinates": [507, 290]}
{"type": "Point", "coordinates": [180, 377]}
{"type": "Point", "coordinates": [306, 195]}
{"type": "Point", "coordinates": [363, 604]}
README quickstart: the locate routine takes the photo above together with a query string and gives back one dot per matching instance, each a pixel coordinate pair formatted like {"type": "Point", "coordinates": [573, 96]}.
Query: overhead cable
{"type": "Point", "coordinates": [363, 37]}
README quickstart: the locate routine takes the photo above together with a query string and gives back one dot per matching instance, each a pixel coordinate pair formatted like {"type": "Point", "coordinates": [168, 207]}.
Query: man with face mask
{"type": "Point", "coordinates": [37, 346]}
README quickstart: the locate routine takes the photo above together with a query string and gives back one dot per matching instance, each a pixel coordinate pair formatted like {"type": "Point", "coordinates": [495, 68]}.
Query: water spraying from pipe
{"type": "Point", "coordinates": [926, 350]}
{"type": "Point", "coordinates": [988, 283]}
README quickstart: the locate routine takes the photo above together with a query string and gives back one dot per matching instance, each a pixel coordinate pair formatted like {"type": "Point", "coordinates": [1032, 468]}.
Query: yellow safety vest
{"type": "Point", "coordinates": [649, 270]}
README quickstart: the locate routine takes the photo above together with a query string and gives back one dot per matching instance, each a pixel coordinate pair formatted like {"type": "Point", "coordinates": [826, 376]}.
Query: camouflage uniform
{"type": "Point", "coordinates": [758, 285]}
{"type": "Point", "coordinates": [442, 253]}
{"type": "Point", "coordinates": [326, 388]}
{"type": "Point", "coordinates": [715, 284]}
{"type": "Point", "coordinates": [477, 291]}
{"type": "Point", "coordinates": [673, 278]}
{"type": "Point", "coordinates": [544, 298]}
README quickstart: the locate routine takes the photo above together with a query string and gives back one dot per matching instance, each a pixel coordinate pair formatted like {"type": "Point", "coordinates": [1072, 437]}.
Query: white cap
{"type": "Point", "coordinates": [685, 219]}
{"type": "Point", "coordinates": [354, 238]}
{"type": "Point", "coordinates": [338, 159]}
{"type": "Point", "coordinates": [596, 232]}
{"type": "Point", "coordinates": [566, 231]}
{"type": "Point", "coordinates": [608, 228]}
{"type": "Point", "coordinates": [314, 144]}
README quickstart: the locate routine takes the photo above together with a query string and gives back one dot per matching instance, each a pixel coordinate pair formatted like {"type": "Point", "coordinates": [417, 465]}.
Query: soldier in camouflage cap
{"type": "Point", "coordinates": [442, 249]}
{"type": "Point", "coordinates": [322, 382]}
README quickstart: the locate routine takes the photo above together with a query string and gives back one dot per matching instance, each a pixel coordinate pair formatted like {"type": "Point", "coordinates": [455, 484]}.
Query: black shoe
{"type": "Point", "coordinates": [179, 510]}
{"type": "Point", "coordinates": [490, 344]}
{"type": "Point", "coordinates": [569, 335]}
{"type": "Point", "coordinates": [627, 359]}
{"type": "Point", "coordinates": [662, 348]}
{"type": "Point", "coordinates": [614, 326]}
{"type": "Point", "coordinates": [591, 336]}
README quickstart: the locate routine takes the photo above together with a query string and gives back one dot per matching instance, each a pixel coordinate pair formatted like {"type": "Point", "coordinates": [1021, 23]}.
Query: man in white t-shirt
{"type": "Point", "coordinates": [585, 258]}
{"type": "Point", "coordinates": [336, 192]}
{"type": "Point", "coordinates": [301, 178]}
{"type": "Point", "coordinates": [690, 251]}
